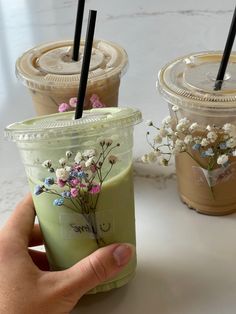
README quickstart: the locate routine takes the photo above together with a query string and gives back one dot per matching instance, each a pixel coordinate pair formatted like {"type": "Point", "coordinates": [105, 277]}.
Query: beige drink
{"type": "Point", "coordinates": [80, 176]}
{"type": "Point", "coordinates": [206, 172]}
{"type": "Point", "coordinates": [53, 78]}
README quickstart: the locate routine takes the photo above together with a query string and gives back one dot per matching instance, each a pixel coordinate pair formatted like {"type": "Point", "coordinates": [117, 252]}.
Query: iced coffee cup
{"type": "Point", "coordinates": [52, 77]}
{"type": "Point", "coordinates": [80, 176]}
{"type": "Point", "coordinates": [205, 124]}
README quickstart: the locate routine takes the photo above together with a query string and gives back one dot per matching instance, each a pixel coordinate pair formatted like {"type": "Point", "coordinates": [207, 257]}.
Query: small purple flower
{"type": "Point", "coordinates": [58, 202]}
{"type": "Point", "coordinates": [38, 189]}
{"type": "Point", "coordinates": [223, 145]}
{"type": "Point", "coordinates": [82, 174]}
{"type": "Point", "coordinates": [73, 102]}
{"type": "Point", "coordinates": [63, 107]}
{"type": "Point", "coordinates": [66, 194]}
{"type": "Point", "coordinates": [73, 174]}
{"type": "Point", "coordinates": [196, 146]}
{"type": "Point", "coordinates": [49, 181]}
{"type": "Point", "coordinates": [209, 152]}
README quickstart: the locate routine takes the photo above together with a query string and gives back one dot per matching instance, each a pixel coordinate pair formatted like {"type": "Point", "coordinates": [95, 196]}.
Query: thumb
{"type": "Point", "coordinates": [101, 265]}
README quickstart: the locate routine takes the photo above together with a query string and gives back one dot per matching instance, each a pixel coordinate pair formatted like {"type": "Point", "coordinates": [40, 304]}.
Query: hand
{"type": "Point", "coordinates": [27, 285]}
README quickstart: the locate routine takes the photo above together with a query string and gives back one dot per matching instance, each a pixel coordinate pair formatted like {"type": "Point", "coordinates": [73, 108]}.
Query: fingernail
{"type": "Point", "coordinates": [122, 254]}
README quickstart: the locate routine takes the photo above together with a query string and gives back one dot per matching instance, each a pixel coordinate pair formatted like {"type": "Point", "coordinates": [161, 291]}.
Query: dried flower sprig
{"type": "Point", "coordinates": [211, 146]}
{"type": "Point", "coordinates": [94, 100]}
{"type": "Point", "coordinates": [77, 184]}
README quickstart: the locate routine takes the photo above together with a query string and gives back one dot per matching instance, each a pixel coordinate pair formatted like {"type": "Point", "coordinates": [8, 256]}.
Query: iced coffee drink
{"type": "Point", "coordinates": [52, 77]}
{"type": "Point", "coordinates": [205, 125]}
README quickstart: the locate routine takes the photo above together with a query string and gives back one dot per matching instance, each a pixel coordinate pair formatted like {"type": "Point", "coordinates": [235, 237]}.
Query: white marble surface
{"type": "Point", "coordinates": [186, 261]}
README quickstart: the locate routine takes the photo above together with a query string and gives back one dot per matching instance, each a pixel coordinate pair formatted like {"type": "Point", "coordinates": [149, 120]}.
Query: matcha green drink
{"type": "Point", "coordinates": [52, 77]}
{"type": "Point", "coordinates": [80, 176]}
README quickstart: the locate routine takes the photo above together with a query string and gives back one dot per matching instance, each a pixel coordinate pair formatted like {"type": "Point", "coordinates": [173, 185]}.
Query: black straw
{"type": "Point", "coordinates": [85, 64]}
{"type": "Point", "coordinates": [226, 54]}
{"type": "Point", "coordinates": [78, 28]}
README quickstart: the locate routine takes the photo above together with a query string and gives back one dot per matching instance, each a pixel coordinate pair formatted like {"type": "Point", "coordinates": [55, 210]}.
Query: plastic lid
{"type": "Point", "coordinates": [63, 124]}
{"type": "Point", "coordinates": [189, 81]}
{"type": "Point", "coordinates": [50, 65]}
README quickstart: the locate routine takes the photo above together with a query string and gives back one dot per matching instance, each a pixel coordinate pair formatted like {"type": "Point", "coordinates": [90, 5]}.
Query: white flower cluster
{"type": "Point", "coordinates": [62, 174]}
{"type": "Point", "coordinates": [86, 158]}
{"type": "Point", "coordinates": [215, 144]}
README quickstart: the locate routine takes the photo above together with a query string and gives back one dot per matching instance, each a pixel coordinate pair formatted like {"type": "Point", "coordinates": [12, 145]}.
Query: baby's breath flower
{"type": "Point", "coordinates": [49, 181]}
{"type": "Point", "coordinates": [109, 142]}
{"type": "Point", "coordinates": [175, 108]}
{"type": "Point", "coordinates": [58, 202]}
{"type": "Point", "coordinates": [205, 142]}
{"type": "Point", "coordinates": [101, 141]}
{"type": "Point", "coordinates": [209, 152]}
{"type": "Point", "coordinates": [62, 162]}
{"type": "Point", "coordinates": [68, 154]}
{"type": "Point", "coordinates": [167, 120]}
{"type": "Point", "coordinates": [188, 139]}
{"type": "Point", "coordinates": [180, 146]}
{"type": "Point", "coordinates": [209, 128]}
{"type": "Point", "coordinates": [182, 125]}
{"type": "Point", "coordinates": [197, 139]}
{"type": "Point", "coordinates": [149, 123]}
{"type": "Point", "coordinates": [73, 102]}
{"type": "Point", "coordinates": [89, 162]}
{"type": "Point", "coordinates": [223, 145]}
{"type": "Point", "coordinates": [222, 160]}
{"type": "Point", "coordinates": [228, 127]}
{"type": "Point", "coordinates": [231, 143]}
{"type": "Point", "coordinates": [163, 161]}
{"type": "Point", "coordinates": [38, 189]}
{"type": "Point", "coordinates": [47, 164]}
{"type": "Point", "coordinates": [212, 136]}
{"type": "Point", "coordinates": [62, 174]}
{"type": "Point", "coordinates": [196, 146]}
{"type": "Point", "coordinates": [112, 159]}
{"type": "Point", "coordinates": [194, 127]}
{"type": "Point", "coordinates": [88, 153]}
{"type": "Point", "coordinates": [78, 157]}
{"type": "Point", "coordinates": [82, 165]}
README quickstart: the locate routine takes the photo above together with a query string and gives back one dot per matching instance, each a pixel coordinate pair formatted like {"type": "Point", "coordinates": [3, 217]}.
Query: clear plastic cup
{"type": "Point", "coordinates": [93, 214]}
{"type": "Point", "coordinates": [188, 83]}
{"type": "Point", "coordinates": [52, 77]}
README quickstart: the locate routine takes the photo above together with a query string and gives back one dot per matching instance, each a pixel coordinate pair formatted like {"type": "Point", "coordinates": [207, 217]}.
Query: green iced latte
{"type": "Point", "coordinates": [80, 176]}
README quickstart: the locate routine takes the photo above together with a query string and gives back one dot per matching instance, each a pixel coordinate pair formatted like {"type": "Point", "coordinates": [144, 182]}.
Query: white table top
{"type": "Point", "coordinates": [186, 261]}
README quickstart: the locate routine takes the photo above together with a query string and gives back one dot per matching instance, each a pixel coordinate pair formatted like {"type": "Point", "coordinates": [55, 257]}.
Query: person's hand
{"type": "Point", "coordinates": [27, 285]}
